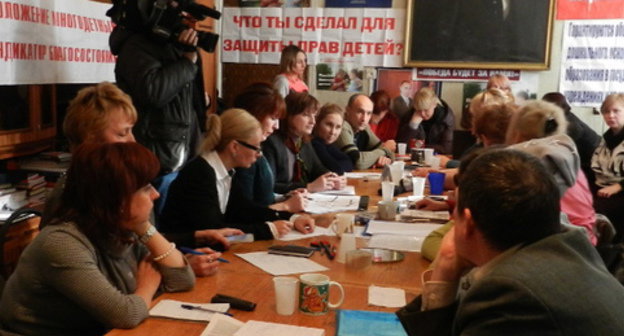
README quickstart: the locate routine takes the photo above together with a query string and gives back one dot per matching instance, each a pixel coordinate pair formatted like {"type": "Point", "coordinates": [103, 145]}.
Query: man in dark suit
{"type": "Point", "coordinates": [528, 274]}
{"type": "Point", "coordinates": [402, 104]}
{"type": "Point", "coordinates": [480, 30]}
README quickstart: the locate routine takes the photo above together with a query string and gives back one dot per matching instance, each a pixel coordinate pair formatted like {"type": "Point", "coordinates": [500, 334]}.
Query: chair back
{"type": "Point", "coordinates": [15, 234]}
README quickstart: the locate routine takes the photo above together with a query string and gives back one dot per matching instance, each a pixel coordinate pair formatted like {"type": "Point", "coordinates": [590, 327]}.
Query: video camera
{"type": "Point", "coordinates": [164, 20]}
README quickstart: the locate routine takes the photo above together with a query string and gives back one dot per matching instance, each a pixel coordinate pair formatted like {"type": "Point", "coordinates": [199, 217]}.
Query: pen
{"type": "Point", "coordinates": [191, 251]}
{"type": "Point", "coordinates": [191, 307]}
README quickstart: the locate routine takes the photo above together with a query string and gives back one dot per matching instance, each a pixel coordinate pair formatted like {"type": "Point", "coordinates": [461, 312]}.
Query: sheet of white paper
{"type": "Point", "coordinates": [347, 190]}
{"type": "Point", "coordinates": [296, 235]}
{"type": "Point", "coordinates": [319, 204]}
{"type": "Point", "coordinates": [359, 175]}
{"type": "Point", "coordinates": [396, 242]}
{"type": "Point", "coordinates": [435, 215]}
{"type": "Point", "coordinates": [281, 265]}
{"type": "Point", "coordinates": [258, 328]}
{"type": "Point", "coordinates": [400, 228]}
{"type": "Point", "coordinates": [386, 297]}
{"type": "Point", "coordinates": [173, 309]}
{"type": "Point", "coordinates": [222, 325]}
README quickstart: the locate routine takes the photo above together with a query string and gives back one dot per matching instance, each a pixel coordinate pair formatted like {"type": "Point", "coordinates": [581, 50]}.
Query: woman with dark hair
{"type": "Point", "coordinates": [585, 139]}
{"type": "Point", "coordinates": [290, 154]}
{"type": "Point", "coordinates": [99, 262]}
{"type": "Point", "coordinates": [257, 182]}
{"type": "Point", "coordinates": [384, 123]}
{"type": "Point", "coordinates": [293, 63]}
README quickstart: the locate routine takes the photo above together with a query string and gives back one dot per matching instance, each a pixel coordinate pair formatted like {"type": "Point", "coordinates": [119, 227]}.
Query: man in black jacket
{"type": "Point", "coordinates": [163, 78]}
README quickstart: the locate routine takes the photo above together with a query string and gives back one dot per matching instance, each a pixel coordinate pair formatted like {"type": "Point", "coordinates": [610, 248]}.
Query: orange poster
{"type": "Point", "coordinates": [590, 9]}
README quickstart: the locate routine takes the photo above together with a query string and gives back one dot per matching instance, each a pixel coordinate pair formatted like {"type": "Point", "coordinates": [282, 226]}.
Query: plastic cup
{"type": "Point", "coordinates": [397, 169]}
{"type": "Point", "coordinates": [428, 155]}
{"type": "Point", "coordinates": [436, 183]}
{"type": "Point", "coordinates": [387, 190]}
{"type": "Point", "coordinates": [418, 185]}
{"type": "Point", "coordinates": [285, 294]}
{"type": "Point", "coordinates": [401, 148]}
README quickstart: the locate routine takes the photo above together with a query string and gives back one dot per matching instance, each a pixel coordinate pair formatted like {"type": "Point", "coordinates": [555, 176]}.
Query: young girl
{"type": "Point", "coordinates": [608, 164]}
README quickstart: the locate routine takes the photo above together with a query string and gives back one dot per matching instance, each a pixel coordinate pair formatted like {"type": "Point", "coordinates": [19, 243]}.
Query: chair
{"type": "Point", "coordinates": [15, 234]}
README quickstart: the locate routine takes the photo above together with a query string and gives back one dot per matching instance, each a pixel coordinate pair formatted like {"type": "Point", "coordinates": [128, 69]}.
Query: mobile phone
{"type": "Point", "coordinates": [244, 238]}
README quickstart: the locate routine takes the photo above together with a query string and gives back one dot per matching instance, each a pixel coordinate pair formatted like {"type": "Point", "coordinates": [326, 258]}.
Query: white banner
{"type": "Point", "coordinates": [54, 41]}
{"type": "Point", "coordinates": [365, 36]}
{"type": "Point", "coordinates": [592, 64]}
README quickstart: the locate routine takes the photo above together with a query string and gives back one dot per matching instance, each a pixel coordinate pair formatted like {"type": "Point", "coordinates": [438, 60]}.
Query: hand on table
{"type": "Point", "coordinates": [216, 236]}
{"type": "Point", "coordinates": [431, 205]}
{"type": "Point", "coordinates": [304, 224]}
{"type": "Point", "coordinates": [205, 264]}
{"type": "Point", "coordinates": [609, 191]}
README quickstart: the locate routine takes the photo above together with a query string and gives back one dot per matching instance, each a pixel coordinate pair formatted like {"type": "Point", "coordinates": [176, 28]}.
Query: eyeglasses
{"type": "Point", "coordinates": [252, 147]}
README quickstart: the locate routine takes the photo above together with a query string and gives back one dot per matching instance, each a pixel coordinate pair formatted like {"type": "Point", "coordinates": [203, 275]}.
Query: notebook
{"type": "Point", "coordinates": [369, 323]}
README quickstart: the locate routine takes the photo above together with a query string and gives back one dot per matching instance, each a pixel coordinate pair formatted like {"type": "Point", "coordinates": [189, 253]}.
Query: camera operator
{"type": "Point", "coordinates": [162, 75]}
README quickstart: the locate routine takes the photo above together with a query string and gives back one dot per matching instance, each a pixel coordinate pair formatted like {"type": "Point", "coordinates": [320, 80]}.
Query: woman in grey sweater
{"type": "Point", "coordinates": [99, 262]}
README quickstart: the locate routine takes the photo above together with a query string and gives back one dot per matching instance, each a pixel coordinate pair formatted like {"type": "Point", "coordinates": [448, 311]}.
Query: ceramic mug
{"type": "Point", "coordinates": [314, 294]}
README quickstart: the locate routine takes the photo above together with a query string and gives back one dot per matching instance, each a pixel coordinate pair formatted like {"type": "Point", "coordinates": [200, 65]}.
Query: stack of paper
{"type": "Point", "coordinates": [319, 203]}
{"type": "Point", "coordinates": [173, 309]}
{"type": "Point", "coordinates": [281, 265]}
{"type": "Point", "coordinates": [398, 235]}
{"type": "Point", "coordinates": [438, 216]}
{"type": "Point", "coordinates": [227, 326]}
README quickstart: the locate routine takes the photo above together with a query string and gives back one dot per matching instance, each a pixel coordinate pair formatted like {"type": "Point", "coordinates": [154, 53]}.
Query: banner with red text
{"type": "Point", "coordinates": [364, 36]}
{"type": "Point", "coordinates": [54, 41]}
{"type": "Point", "coordinates": [592, 61]}
{"type": "Point", "coordinates": [590, 9]}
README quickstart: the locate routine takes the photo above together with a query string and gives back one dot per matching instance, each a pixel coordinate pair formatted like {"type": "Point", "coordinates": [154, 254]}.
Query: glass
{"type": "Point", "coordinates": [250, 146]}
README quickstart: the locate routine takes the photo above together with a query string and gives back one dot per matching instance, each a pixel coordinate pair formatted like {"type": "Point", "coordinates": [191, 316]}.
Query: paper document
{"type": "Point", "coordinates": [258, 328]}
{"type": "Point", "coordinates": [386, 297]}
{"type": "Point", "coordinates": [296, 235]}
{"type": "Point", "coordinates": [347, 190]}
{"type": "Point", "coordinates": [399, 228]}
{"type": "Point", "coordinates": [222, 325]}
{"type": "Point", "coordinates": [396, 242]}
{"type": "Point", "coordinates": [173, 309]}
{"type": "Point", "coordinates": [281, 265]}
{"type": "Point", "coordinates": [319, 204]}
{"type": "Point", "coordinates": [359, 175]}
{"type": "Point", "coordinates": [426, 214]}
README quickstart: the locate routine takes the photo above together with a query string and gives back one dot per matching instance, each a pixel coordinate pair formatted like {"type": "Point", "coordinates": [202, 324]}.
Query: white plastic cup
{"type": "Point", "coordinates": [347, 243]}
{"type": "Point", "coordinates": [401, 148]}
{"type": "Point", "coordinates": [428, 155]}
{"type": "Point", "coordinates": [418, 185]}
{"type": "Point", "coordinates": [387, 190]}
{"type": "Point", "coordinates": [397, 169]}
{"type": "Point", "coordinates": [285, 294]}
{"type": "Point", "coordinates": [435, 162]}
{"type": "Point", "coordinates": [343, 224]}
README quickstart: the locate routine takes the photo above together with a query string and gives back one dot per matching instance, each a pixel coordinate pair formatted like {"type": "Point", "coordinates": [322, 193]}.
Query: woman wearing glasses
{"type": "Point", "coordinates": [202, 196]}
{"type": "Point", "coordinates": [290, 153]}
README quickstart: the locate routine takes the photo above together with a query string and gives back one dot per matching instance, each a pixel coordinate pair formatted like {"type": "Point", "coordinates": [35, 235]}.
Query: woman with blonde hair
{"type": "Point", "coordinates": [432, 121]}
{"type": "Point", "coordinates": [293, 64]}
{"type": "Point", "coordinates": [608, 164]}
{"type": "Point", "coordinates": [201, 197]}
{"type": "Point", "coordinates": [539, 128]}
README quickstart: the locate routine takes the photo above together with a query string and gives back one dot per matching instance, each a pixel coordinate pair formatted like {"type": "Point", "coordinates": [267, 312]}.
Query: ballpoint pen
{"type": "Point", "coordinates": [191, 307]}
{"type": "Point", "coordinates": [191, 251]}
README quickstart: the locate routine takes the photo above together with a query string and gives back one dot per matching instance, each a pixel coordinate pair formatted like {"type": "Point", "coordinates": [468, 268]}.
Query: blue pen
{"type": "Point", "coordinates": [191, 307]}
{"type": "Point", "coordinates": [191, 251]}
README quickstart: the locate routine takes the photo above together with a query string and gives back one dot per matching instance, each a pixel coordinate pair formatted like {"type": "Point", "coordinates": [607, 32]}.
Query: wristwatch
{"type": "Point", "coordinates": [148, 234]}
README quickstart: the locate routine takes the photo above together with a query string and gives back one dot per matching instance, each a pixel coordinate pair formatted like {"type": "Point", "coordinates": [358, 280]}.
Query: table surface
{"type": "Point", "coordinates": [241, 279]}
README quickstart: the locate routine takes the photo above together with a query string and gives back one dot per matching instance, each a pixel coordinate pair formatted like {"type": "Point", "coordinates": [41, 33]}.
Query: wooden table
{"type": "Point", "coordinates": [241, 279]}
